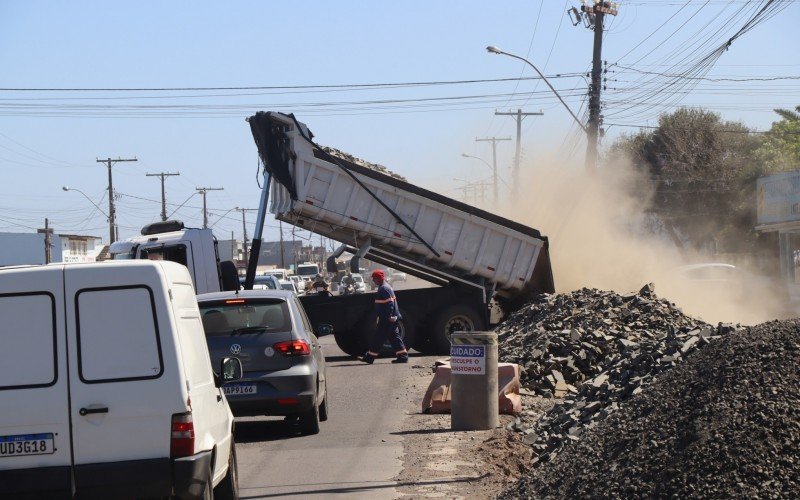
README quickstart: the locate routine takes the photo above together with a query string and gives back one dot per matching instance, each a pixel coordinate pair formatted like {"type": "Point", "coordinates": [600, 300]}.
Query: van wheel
{"type": "Point", "coordinates": [228, 489]}
{"type": "Point", "coordinates": [453, 319]}
{"type": "Point", "coordinates": [309, 421]}
{"type": "Point", "coordinates": [323, 407]}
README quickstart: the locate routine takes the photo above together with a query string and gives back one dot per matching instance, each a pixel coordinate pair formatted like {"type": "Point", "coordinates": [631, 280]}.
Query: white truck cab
{"type": "Point", "coordinates": [194, 248]}
{"type": "Point", "coordinates": [107, 387]}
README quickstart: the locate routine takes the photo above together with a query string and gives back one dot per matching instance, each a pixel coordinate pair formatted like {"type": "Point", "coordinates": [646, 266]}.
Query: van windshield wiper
{"type": "Point", "coordinates": [249, 329]}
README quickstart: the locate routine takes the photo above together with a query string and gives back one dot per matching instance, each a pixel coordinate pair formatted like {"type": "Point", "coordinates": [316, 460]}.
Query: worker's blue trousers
{"type": "Point", "coordinates": [390, 331]}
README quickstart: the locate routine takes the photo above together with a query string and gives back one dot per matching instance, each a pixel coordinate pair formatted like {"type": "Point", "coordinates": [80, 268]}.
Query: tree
{"type": "Point", "coordinates": [780, 148]}
{"type": "Point", "coordinates": [700, 168]}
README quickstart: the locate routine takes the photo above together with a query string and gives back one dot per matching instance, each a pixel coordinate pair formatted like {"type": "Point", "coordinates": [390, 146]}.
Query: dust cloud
{"type": "Point", "coordinates": [601, 236]}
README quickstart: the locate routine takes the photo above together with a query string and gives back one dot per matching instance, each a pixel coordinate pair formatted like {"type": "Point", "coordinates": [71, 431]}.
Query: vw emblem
{"type": "Point", "coordinates": [236, 349]}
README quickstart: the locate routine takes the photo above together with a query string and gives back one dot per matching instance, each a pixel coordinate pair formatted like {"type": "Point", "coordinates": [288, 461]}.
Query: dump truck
{"type": "Point", "coordinates": [477, 258]}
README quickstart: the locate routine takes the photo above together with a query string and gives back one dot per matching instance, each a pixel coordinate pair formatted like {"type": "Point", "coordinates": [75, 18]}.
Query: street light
{"type": "Point", "coordinates": [494, 50]}
{"type": "Point", "coordinates": [494, 173]}
{"type": "Point", "coordinates": [67, 188]}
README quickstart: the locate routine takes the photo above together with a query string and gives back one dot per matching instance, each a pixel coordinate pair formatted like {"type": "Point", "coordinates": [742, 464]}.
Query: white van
{"type": "Point", "coordinates": [106, 386]}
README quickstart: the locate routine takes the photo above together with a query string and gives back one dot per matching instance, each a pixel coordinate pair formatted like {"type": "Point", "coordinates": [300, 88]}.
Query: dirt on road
{"type": "Point", "coordinates": [440, 463]}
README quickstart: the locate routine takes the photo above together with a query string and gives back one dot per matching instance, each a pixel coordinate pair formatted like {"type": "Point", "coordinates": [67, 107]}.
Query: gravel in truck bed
{"type": "Point", "coordinates": [364, 163]}
{"type": "Point", "coordinates": [723, 423]}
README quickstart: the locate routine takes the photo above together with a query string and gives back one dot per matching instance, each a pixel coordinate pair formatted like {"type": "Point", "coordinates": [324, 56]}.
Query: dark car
{"type": "Point", "coordinates": [284, 367]}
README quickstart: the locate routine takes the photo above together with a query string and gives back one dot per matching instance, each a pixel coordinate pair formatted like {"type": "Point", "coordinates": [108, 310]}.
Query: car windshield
{"type": "Point", "coordinates": [358, 279]}
{"type": "Point", "coordinates": [245, 316]}
{"type": "Point", "coordinates": [262, 282]}
{"type": "Point", "coordinates": [287, 286]}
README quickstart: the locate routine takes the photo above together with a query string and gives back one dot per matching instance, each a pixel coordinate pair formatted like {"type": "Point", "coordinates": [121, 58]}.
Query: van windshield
{"type": "Point", "coordinates": [245, 316]}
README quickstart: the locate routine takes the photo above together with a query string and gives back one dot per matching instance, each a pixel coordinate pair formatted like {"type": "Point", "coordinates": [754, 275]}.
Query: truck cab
{"type": "Point", "coordinates": [194, 248]}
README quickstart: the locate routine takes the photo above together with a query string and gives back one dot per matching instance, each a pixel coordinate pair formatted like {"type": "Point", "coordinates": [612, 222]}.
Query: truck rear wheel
{"type": "Point", "coordinates": [348, 342]}
{"type": "Point", "coordinates": [453, 319]}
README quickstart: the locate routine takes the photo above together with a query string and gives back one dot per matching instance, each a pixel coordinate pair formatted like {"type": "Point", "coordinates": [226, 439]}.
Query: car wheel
{"type": "Point", "coordinates": [323, 407]}
{"type": "Point", "coordinates": [228, 489]}
{"type": "Point", "coordinates": [309, 421]}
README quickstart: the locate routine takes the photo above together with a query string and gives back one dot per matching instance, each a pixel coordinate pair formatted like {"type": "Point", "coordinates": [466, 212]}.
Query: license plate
{"type": "Point", "coordinates": [27, 444]}
{"type": "Point", "coordinates": [235, 390]}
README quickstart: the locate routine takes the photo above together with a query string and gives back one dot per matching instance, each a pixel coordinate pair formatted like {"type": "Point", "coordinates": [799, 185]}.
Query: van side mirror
{"type": "Point", "coordinates": [231, 370]}
{"type": "Point", "coordinates": [324, 329]}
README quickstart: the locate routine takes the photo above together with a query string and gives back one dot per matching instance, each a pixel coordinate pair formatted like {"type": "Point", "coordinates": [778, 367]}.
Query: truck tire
{"type": "Point", "coordinates": [457, 318]}
{"type": "Point", "coordinates": [348, 342]}
{"type": "Point", "coordinates": [228, 489]}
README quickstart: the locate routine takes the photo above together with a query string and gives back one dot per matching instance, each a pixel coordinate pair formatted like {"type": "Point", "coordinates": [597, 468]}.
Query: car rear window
{"type": "Point", "coordinates": [245, 316]}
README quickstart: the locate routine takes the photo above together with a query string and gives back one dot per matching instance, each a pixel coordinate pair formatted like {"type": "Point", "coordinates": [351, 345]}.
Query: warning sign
{"type": "Point", "coordinates": [468, 359]}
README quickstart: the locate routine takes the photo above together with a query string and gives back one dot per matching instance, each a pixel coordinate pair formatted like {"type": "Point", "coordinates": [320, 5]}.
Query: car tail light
{"type": "Point", "coordinates": [182, 436]}
{"type": "Point", "coordinates": [293, 348]}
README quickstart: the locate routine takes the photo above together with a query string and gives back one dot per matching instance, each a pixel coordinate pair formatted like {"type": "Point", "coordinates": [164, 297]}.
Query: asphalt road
{"type": "Point", "coordinates": [358, 450]}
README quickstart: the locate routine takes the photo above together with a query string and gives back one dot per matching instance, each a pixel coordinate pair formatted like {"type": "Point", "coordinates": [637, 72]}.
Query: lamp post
{"type": "Point", "coordinates": [494, 50]}
{"type": "Point", "coordinates": [494, 172]}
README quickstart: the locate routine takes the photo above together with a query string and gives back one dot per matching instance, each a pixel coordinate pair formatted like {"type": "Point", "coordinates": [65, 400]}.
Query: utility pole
{"type": "Point", "coordinates": [204, 191]}
{"type": "Point", "coordinates": [280, 228]}
{"type": "Point", "coordinates": [244, 229]}
{"type": "Point", "coordinates": [48, 242]}
{"type": "Point", "coordinates": [518, 115]}
{"type": "Point", "coordinates": [595, 14]}
{"type": "Point", "coordinates": [494, 140]}
{"type": "Point", "coordinates": [112, 216]}
{"type": "Point", "coordinates": [163, 175]}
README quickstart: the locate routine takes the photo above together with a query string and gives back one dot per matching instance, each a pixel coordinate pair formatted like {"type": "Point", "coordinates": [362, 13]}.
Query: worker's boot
{"type": "Point", "coordinates": [368, 358]}
{"type": "Point", "coordinates": [401, 358]}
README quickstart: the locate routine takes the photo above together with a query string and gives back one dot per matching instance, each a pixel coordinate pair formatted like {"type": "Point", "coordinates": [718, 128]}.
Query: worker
{"type": "Point", "coordinates": [319, 282]}
{"type": "Point", "coordinates": [388, 322]}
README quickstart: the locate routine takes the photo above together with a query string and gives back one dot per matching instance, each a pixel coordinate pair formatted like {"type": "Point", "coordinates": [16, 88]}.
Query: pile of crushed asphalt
{"type": "Point", "coordinates": [723, 423]}
{"type": "Point", "coordinates": [563, 340]}
{"type": "Point", "coordinates": [596, 350]}
{"type": "Point", "coordinates": [364, 163]}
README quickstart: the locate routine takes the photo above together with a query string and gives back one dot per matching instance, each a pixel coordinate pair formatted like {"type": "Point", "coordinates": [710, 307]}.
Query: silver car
{"type": "Point", "coordinates": [284, 367]}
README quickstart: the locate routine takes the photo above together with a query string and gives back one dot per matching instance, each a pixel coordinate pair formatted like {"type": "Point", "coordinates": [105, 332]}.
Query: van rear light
{"type": "Point", "coordinates": [182, 435]}
{"type": "Point", "coordinates": [293, 348]}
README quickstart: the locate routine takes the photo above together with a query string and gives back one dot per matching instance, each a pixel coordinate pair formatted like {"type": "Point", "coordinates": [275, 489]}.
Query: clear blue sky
{"type": "Point", "coordinates": [49, 139]}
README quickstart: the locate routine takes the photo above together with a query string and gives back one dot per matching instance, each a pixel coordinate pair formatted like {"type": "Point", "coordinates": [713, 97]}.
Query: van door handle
{"type": "Point", "coordinates": [87, 411]}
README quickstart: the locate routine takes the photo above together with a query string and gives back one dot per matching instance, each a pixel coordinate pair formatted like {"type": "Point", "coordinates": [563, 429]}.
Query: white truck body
{"type": "Point", "coordinates": [339, 199]}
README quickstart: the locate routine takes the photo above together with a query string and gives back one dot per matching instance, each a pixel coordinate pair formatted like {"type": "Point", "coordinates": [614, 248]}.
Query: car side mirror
{"type": "Point", "coordinates": [324, 329]}
{"type": "Point", "coordinates": [231, 370]}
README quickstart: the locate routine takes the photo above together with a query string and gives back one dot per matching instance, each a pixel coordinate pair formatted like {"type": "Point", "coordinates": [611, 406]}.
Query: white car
{"type": "Point", "coordinates": [288, 285]}
{"type": "Point", "coordinates": [360, 285]}
{"type": "Point", "coordinates": [107, 386]}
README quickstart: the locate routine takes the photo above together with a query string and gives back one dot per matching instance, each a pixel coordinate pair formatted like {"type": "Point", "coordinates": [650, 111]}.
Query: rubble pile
{"type": "Point", "coordinates": [724, 423]}
{"type": "Point", "coordinates": [615, 347]}
{"type": "Point", "coordinates": [563, 340]}
{"type": "Point", "coordinates": [364, 163]}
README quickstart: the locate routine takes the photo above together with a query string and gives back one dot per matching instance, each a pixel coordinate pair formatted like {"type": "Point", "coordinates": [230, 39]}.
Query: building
{"type": "Point", "coordinates": [778, 207]}
{"type": "Point", "coordinates": [29, 248]}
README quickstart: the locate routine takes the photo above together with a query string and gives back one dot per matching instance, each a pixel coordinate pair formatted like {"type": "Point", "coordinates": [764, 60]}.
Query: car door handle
{"type": "Point", "coordinates": [87, 411]}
